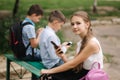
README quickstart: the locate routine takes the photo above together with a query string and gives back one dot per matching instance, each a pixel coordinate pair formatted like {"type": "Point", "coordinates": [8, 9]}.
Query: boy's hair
{"type": "Point", "coordinates": [35, 9]}
{"type": "Point", "coordinates": [56, 15]}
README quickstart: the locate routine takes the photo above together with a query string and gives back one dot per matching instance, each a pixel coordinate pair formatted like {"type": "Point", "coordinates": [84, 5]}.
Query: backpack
{"type": "Point", "coordinates": [96, 74]}
{"type": "Point", "coordinates": [15, 41]}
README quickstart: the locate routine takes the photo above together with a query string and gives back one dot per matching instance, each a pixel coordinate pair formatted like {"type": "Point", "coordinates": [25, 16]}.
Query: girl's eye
{"type": "Point", "coordinates": [77, 23]}
{"type": "Point", "coordinates": [72, 24]}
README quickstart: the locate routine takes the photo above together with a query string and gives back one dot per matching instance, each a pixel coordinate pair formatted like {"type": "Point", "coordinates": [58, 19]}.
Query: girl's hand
{"type": "Point", "coordinates": [44, 71]}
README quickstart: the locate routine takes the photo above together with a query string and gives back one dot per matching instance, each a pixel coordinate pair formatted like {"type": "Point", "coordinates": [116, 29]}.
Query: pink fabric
{"type": "Point", "coordinates": [96, 74]}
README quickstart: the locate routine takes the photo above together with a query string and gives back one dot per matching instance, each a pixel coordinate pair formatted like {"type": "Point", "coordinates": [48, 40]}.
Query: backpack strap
{"type": "Point", "coordinates": [94, 64]}
{"type": "Point", "coordinates": [33, 52]}
{"type": "Point", "coordinates": [83, 78]}
{"type": "Point", "coordinates": [28, 45]}
{"type": "Point", "coordinates": [26, 23]}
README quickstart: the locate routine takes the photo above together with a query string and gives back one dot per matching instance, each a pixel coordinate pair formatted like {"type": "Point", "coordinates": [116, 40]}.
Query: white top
{"type": "Point", "coordinates": [97, 57]}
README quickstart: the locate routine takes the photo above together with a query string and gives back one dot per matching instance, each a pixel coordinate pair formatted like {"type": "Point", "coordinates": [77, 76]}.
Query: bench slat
{"type": "Point", "coordinates": [32, 66]}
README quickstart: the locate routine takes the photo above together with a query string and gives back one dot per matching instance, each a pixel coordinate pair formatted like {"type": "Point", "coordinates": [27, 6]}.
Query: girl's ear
{"type": "Point", "coordinates": [87, 25]}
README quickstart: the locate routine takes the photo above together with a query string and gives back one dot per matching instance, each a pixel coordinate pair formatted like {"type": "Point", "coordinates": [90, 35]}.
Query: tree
{"type": "Point", "coordinates": [15, 9]}
{"type": "Point", "coordinates": [95, 6]}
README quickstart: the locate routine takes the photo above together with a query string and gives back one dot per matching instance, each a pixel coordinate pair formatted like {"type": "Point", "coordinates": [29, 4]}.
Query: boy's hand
{"type": "Point", "coordinates": [39, 31]}
{"type": "Point", "coordinates": [67, 44]}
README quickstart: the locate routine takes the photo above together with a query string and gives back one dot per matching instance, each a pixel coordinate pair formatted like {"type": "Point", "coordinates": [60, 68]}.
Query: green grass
{"type": "Point", "coordinates": [108, 58]}
{"type": "Point", "coordinates": [67, 6]}
{"type": "Point", "coordinates": [113, 3]}
{"type": "Point", "coordinates": [6, 4]}
{"type": "Point", "coordinates": [52, 4]}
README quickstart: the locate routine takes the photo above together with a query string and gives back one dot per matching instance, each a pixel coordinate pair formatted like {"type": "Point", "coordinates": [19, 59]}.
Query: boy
{"type": "Point", "coordinates": [31, 37]}
{"type": "Point", "coordinates": [48, 54]}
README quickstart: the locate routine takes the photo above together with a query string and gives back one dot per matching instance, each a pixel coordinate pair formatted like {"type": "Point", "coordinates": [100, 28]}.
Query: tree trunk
{"type": "Point", "coordinates": [15, 9]}
{"type": "Point", "coordinates": [95, 6]}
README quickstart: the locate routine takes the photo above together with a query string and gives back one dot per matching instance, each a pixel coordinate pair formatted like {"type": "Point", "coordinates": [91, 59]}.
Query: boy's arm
{"type": "Point", "coordinates": [35, 41]}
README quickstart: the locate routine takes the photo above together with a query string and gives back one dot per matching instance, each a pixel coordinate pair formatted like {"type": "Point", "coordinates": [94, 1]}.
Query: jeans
{"type": "Point", "coordinates": [69, 75]}
{"type": "Point", "coordinates": [29, 57]}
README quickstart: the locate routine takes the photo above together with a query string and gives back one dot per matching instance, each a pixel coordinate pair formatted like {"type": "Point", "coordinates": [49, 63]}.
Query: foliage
{"type": "Point", "coordinates": [66, 6]}
{"type": "Point", "coordinates": [4, 30]}
{"type": "Point", "coordinates": [108, 58]}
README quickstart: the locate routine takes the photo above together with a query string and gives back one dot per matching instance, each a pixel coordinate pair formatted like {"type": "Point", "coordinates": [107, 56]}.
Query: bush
{"type": "Point", "coordinates": [4, 30]}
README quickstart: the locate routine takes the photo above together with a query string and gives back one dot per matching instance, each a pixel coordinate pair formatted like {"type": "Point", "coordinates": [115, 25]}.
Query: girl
{"type": "Point", "coordinates": [88, 51]}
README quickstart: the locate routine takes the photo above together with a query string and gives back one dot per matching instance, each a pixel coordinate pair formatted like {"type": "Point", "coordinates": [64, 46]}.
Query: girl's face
{"type": "Point", "coordinates": [79, 26]}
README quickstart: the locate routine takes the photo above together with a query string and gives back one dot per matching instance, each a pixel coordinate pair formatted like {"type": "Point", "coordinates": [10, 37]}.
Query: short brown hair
{"type": "Point", "coordinates": [56, 15]}
{"type": "Point", "coordinates": [35, 9]}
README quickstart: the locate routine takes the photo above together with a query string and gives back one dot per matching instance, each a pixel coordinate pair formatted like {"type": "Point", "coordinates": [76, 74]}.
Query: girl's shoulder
{"type": "Point", "coordinates": [93, 42]}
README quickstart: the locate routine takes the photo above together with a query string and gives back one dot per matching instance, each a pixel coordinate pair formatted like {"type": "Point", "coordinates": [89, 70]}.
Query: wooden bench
{"type": "Point", "coordinates": [32, 66]}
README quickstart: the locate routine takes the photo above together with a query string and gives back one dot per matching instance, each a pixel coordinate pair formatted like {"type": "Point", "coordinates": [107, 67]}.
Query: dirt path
{"type": "Point", "coordinates": [109, 36]}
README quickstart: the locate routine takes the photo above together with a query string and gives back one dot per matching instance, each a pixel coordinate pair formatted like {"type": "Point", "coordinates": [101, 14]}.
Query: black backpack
{"type": "Point", "coordinates": [16, 42]}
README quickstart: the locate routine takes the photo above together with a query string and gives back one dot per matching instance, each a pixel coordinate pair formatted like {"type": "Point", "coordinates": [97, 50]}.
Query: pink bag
{"type": "Point", "coordinates": [96, 74]}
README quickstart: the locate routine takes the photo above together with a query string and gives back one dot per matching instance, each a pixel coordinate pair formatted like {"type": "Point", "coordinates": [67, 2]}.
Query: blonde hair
{"type": "Point", "coordinates": [86, 19]}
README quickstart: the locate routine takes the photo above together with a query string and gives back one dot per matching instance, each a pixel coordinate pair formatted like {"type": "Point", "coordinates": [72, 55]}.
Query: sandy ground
{"type": "Point", "coordinates": [108, 33]}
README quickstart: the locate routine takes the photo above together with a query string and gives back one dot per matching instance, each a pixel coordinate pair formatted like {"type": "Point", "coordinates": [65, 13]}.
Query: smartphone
{"type": "Point", "coordinates": [69, 43]}
{"type": "Point", "coordinates": [55, 46]}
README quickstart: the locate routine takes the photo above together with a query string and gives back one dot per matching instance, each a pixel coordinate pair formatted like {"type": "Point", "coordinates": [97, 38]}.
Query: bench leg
{"type": "Point", "coordinates": [34, 77]}
{"type": "Point", "coordinates": [8, 70]}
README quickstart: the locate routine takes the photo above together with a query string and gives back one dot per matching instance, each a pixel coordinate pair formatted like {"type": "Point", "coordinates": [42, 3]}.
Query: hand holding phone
{"type": "Point", "coordinates": [56, 47]}
{"type": "Point", "coordinates": [69, 43]}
